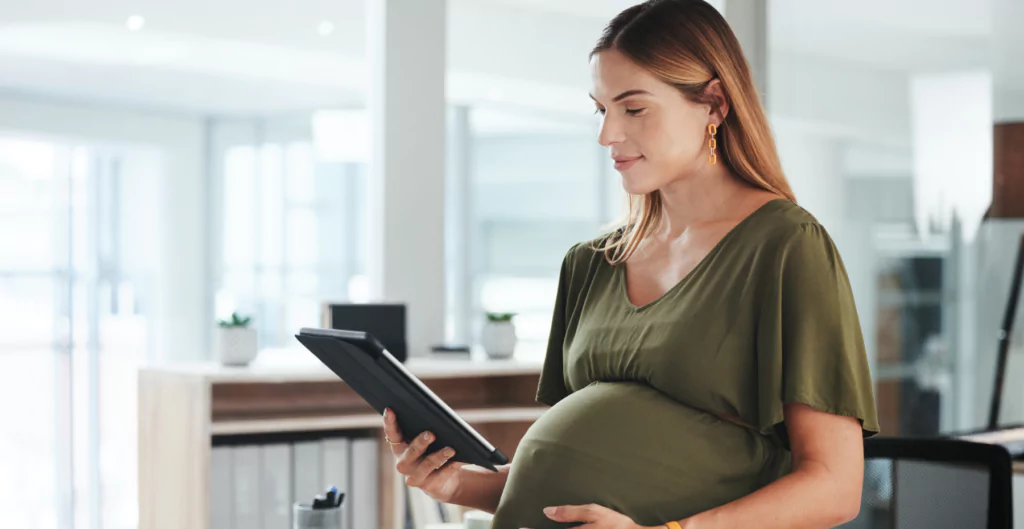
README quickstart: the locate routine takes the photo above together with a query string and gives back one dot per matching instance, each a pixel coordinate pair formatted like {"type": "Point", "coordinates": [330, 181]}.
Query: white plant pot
{"type": "Point", "coordinates": [236, 346]}
{"type": "Point", "coordinates": [499, 339]}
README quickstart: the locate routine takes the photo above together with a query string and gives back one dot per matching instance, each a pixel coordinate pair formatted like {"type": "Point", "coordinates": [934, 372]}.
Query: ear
{"type": "Point", "coordinates": [719, 104]}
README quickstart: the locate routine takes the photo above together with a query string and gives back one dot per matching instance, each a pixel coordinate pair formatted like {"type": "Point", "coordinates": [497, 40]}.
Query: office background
{"type": "Point", "coordinates": [164, 164]}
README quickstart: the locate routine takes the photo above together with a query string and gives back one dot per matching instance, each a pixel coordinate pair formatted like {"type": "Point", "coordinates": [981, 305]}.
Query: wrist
{"type": "Point", "coordinates": [455, 496]}
{"type": "Point", "coordinates": [478, 488]}
{"type": "Point", "coordinates": [690, 523]}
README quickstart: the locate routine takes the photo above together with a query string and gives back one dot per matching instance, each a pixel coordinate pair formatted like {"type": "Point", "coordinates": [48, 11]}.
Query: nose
{"type": "Point", "coordinates": [611, 131]}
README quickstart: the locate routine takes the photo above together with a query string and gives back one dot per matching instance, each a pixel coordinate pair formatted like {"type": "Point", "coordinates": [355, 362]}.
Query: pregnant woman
{"type": "Point", "coordinates": [706, 367]}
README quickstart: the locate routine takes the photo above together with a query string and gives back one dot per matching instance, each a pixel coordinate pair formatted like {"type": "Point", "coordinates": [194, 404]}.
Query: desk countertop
{"type": "Point", "coordinates": [292, 365]}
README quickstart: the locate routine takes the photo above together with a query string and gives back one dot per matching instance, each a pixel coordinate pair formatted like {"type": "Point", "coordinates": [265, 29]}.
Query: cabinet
{"type": "Point", "coordinates": [185, 410]}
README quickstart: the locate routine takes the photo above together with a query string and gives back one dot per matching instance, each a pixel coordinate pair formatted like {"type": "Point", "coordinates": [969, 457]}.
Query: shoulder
{"type": "Point", "coordinates": [792, 237]}
{"type": "Point", "coordinates": [585, 258]}
{"type": "Point", "coordinates": [590, 250]}
{"type": "Point", "coordinates": [786, 224]}
{"type": "Point", "coordinates": [782, 218]}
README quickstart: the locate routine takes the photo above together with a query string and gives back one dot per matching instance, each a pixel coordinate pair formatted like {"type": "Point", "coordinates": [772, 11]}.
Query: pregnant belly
{"type": "Point", "coordinates": [631, 448]}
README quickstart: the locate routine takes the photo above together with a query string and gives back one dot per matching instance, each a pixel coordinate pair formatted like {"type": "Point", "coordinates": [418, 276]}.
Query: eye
{"type": "Point", "coordinates": [634, 111]}
{"type": "Point", "coordinates": [599, 111]}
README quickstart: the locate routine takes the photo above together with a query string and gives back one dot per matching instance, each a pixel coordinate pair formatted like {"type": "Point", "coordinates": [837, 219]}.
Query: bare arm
{"type": "Point", "coordinates": [480, 488]}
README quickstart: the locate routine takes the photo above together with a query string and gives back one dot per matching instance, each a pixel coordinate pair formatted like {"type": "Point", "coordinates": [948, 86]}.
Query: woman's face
{"type": "Point", "coordinates": [656, 136]}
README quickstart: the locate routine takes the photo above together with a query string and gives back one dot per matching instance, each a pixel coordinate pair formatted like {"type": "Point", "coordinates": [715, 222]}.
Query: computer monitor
{"type": "Point", "coordinates": [385, 321]}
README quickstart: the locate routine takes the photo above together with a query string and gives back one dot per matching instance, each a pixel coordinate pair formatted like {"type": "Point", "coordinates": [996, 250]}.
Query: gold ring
{"type": "Point", "coordinates": [388, 441]}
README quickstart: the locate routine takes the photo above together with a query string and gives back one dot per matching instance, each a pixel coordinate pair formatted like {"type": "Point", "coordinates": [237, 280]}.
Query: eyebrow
{"type": "Point", "coordinates": [624, 95]}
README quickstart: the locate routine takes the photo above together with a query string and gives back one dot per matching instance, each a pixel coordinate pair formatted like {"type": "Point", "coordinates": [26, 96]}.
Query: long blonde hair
{"type": "Point", "coordinates": [688, 44]}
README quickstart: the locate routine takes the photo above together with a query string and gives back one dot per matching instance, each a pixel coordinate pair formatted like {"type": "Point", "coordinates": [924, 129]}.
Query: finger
{"type": "Point", "coordinates": [444, 472]}
{"type": "Point", "coordinates": [393, 433]}
{"type": "Point", "coordinates": [429, 465]}
{"type": "Point", "coordinates": [574, 513]}
{"type": "Point", "coordinates": [409, 459]}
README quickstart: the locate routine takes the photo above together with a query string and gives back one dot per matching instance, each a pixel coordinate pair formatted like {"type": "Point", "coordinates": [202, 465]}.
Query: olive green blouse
{"type": "Point", "coordinates": [766, 318]}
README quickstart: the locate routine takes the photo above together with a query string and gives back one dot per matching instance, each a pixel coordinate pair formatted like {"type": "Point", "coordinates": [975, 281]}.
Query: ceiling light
{"type": "Point", "coordinates": [325, 28]}
{"type": "Point", "coordinates": [135, 22]}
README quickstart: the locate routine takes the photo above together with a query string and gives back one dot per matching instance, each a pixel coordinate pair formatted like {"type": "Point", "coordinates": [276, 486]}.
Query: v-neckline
{"type": "Point", "coordinates": [620, 270]}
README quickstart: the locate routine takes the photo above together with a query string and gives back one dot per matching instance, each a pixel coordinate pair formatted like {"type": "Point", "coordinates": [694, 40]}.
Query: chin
{"type": "Point", "coordinates": [638, 185]}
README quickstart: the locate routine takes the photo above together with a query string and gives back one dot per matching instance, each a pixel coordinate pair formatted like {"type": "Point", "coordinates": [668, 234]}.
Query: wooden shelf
{"type": "Point", "coordinates": [364, 421]}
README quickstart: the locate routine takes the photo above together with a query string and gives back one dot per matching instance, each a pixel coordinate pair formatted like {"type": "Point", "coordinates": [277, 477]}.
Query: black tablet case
{"type": "Point", "coordinates": [360, 362]}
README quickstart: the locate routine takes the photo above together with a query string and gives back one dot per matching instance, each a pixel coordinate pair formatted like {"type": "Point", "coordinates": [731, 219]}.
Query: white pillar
{"type": "Point", "coordinates": [459, 226]}
{"type": "Point", "coordinates": [406, 99]}
{"type": "Point", "coordinates": [182, 315]}
{"type": "Point", "coordinates": [951, 131]}
{"type": "Point", "coordinates": [749, 21]}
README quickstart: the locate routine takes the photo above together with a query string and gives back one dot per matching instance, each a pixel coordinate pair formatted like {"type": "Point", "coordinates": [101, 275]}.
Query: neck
{"type": "Point", "coordinates": [701, 198]}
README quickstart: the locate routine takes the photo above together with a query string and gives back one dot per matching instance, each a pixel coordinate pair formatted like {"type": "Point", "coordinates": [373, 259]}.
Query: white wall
{"type": "Point", "coordinates": [179, 319]}
{"type": "Point", "coordinates": [1007, 68]}
{"type": "Point", "coordinates": [840, 98]}
{"type": "Point", "coordinates": [516, 44]}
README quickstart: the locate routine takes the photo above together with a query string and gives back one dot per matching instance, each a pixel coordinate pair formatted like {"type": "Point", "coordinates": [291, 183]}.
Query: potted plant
{"type": "Point", "coordinates": [499, 335]}
{"type": "Point", "coordinates": [236, 341]}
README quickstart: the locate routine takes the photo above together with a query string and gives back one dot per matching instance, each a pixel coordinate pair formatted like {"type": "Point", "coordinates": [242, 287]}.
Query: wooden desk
{"type": "Point", "coordinates": [182, 408]}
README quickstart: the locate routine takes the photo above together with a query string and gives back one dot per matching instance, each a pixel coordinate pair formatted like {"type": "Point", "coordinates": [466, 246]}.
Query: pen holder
{"type": "Point", "coordinates": [477, 520]}
{"type": "Point", "coordinates": [304, 516]}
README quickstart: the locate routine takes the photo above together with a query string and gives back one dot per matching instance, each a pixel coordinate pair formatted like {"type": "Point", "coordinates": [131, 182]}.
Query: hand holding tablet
{"type": "Point", "coordinates": [435, 474]}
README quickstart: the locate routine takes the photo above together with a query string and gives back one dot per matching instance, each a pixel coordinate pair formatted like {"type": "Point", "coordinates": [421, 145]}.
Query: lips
{"type": "Point", "coordinates": [625, 162]}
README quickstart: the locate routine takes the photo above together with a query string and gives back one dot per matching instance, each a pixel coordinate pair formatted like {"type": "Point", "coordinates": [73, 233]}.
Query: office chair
{"type": "Point", "coordinates": [934, 483]}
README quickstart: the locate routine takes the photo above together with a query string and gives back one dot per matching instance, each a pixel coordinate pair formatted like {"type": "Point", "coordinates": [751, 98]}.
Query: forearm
{"type": "Point", "coordinates": [480, 488]}
{"type": "Point", "coordinates": [804, 499]}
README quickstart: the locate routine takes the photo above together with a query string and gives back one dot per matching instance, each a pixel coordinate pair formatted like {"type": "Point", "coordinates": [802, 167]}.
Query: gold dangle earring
{"type": "Point", "coordinates": [712, 144]}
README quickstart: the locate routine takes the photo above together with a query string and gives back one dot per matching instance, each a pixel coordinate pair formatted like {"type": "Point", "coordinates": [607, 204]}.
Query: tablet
{"type": "Point", "coordinates": [383, 382]}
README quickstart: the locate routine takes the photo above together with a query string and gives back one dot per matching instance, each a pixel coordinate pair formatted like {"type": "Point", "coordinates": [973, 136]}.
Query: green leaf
{"type": "Point", "coordinates": [500, 316]}
{"type": "Point", "coordinates": [236, 320]}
